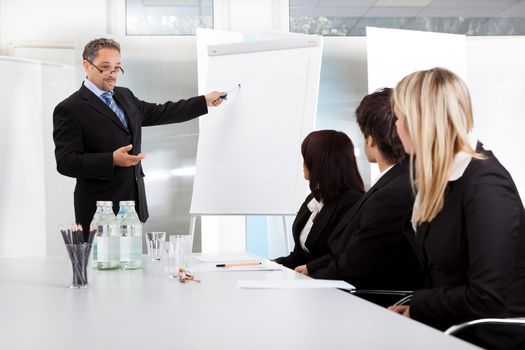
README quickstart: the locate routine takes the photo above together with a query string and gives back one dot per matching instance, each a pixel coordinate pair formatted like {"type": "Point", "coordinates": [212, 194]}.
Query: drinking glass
{"type": "Point", "coordinates": [155, 244]}
{"type": "Point", "coordinates": [178, 252]}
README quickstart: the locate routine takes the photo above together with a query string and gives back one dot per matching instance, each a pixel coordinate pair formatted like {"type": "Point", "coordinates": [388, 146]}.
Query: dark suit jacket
{"type": "Point", "coordinates": [86, 132]}
{"type": "Point", "coordinates": [373, 251]}
{"type": "Point", "coordinates": [474, 250]}
{"type": "Point", "coordinates": [324, 223]}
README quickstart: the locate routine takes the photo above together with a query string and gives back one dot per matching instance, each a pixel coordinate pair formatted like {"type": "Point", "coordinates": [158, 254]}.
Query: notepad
{"type": "Point", "coordinates": [250, 268]}
{"type": "Point", "coordinates": [303, 283]}
{"type": "Point", "coordinates": [226, 258]}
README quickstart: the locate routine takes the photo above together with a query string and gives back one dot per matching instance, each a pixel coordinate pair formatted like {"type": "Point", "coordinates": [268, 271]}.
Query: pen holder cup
{"type": "Point", "coordinates": [79, 256]}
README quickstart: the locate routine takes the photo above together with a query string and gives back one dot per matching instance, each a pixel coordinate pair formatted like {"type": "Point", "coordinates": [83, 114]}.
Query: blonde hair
{"type": "Point", "coordinates": [437, 111]}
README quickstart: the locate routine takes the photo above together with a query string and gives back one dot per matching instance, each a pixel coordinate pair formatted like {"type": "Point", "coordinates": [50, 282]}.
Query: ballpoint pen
{"type": "Point", "coordinates": [240, 264]}
{"type": "Point", "coordinates": [238, 86]}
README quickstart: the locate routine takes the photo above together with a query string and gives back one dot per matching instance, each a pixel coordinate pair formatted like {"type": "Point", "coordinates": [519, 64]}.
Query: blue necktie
{"type": "Point", "coordinates": [108, 98]}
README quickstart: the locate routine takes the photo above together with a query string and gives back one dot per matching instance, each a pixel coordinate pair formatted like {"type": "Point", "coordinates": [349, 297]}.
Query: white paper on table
{"type": "Point", "coordinates": [303, 283]}
{"type": "Point", "coordinates": [211, 267]}
{"type": "Point", "coordinates": [226, 258]}
{"type": "Point", "coordinates": [250, 268]}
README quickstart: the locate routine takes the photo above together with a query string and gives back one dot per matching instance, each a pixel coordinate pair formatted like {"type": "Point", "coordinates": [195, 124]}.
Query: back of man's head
{"type": "Point", "coordinates": [376, 118]}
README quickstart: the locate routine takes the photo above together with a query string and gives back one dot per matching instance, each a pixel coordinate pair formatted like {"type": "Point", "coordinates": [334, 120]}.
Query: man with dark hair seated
{"type": "Point", "coordinates": [371, 248]}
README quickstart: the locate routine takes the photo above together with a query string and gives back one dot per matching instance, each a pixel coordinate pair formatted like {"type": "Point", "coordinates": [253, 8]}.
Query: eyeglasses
{"type": "Point", "coordinates": [108, 70]}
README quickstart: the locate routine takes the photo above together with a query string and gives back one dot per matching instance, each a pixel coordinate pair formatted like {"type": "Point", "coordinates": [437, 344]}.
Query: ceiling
{"type": "Point", "coordinates": [471, 17]}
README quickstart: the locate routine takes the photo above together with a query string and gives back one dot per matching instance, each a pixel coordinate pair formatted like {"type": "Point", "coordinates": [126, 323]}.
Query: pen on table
{"type": "Point", "coordinates": [238, 86]}
{"type": "Point", "coordinates": [240, 264]}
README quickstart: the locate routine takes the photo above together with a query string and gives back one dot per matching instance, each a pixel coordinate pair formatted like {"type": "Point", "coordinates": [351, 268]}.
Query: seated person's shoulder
{"type": "Point", "coordinates": [487, 170]}
{"type": "Point", "coordinates": [350, 196]}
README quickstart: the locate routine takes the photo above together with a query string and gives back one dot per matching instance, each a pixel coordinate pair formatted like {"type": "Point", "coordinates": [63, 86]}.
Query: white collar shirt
{"type": "Point", "coordinates": [315, 207]}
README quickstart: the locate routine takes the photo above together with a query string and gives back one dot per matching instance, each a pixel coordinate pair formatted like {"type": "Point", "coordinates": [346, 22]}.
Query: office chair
{"type": "Point", "coordinates": [492, 333]}
{"type": "Point", "coordinates": [489, 333]}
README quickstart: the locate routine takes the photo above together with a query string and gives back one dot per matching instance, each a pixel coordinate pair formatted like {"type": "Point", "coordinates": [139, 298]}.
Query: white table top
{"type": "Point", "coordinates": [145, 309]}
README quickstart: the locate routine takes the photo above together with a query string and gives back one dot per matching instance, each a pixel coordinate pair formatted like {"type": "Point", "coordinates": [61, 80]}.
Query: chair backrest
{"type": "Point", "coordinates": [492, 333]}
{"type": "Point", "coordinates": [485, 321]}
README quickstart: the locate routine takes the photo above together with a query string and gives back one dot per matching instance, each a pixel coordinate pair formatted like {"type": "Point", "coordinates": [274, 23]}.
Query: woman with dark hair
{"type": "Point", "coordinates": [335, 185]}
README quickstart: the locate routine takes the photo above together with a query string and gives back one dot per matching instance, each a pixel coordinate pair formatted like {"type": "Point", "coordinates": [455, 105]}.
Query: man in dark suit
{"type": "Point", "coordinates": [372, 248]}
{"type": "Point", "coordinates": [97, 133]}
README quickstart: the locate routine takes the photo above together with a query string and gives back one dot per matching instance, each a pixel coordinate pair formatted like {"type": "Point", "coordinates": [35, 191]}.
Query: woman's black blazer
{"type": "Point", "coordinates": [473, 251]}
{"type": "Point", "coordinates": [326, 220]}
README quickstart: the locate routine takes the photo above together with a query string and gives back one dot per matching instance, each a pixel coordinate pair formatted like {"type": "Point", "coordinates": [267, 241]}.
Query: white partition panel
{"type": "Point", "coordinates": [58, 82]}
{"type": "Point", "coordinates": [394, 53]}
{"type": "Point", "coordinates": [29, 89]}
{"type": "Point", "coordinates": [496, 76]}
{"type": "Point", "coordinates": [22, 194]}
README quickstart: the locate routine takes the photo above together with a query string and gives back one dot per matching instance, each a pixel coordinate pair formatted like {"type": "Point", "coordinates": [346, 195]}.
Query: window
{"type": "Point", "coordinates": [167, 17]}
{"type": "Point", "coordinates": [350, 18]}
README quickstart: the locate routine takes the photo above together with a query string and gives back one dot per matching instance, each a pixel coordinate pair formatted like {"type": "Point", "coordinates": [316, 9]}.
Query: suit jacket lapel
{"type": "Point", "coordinates": [391, 174]}
{"type": "Point", "coordinates": [301, 218]}
{"type": "Point", "coordinates": [320, 223]}
{"type": "Point", "coordinates": [94, 102]}
{"type": "Point", "coordinates": [133, 123]}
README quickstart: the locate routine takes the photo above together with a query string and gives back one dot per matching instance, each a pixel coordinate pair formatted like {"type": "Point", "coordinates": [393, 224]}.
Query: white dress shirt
{"type": "Point", "coordinates": [315, 207]}
{"type": "Point", "coordinates": [374, 181]}
{"type": "Point", "coordinates": [94, 89]}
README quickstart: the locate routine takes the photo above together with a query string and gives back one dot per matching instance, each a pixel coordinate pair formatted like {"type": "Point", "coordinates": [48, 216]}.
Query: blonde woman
{"type": "Point", "coordinates": [468, 216]}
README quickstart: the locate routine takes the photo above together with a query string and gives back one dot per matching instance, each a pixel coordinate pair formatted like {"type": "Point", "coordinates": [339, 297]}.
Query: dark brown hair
{"type": "Point", "coordinates": [376, 118]}
{"type": "Point", "coordinates": [91, 49]}
{"type": "Point", "coordinates": [329, 157]}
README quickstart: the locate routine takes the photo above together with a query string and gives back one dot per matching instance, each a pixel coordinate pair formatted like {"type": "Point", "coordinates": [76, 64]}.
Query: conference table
{"type": "Point", "coordinates": [146, 309]}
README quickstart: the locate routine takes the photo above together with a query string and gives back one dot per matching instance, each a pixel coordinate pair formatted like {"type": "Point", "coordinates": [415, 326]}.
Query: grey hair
{"type": "Point", "coordinates": [91, 48]}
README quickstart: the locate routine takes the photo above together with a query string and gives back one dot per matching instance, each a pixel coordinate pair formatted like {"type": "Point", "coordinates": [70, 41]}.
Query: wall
{"type": "Point", "coordinates": [56, 20]}
{"type": "Point", "coordinates": [52, 24]}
